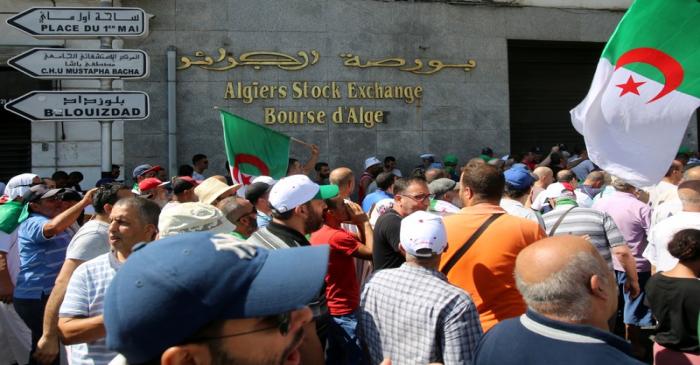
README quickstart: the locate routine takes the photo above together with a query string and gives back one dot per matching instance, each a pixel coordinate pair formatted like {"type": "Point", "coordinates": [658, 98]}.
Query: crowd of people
{"type": "Point", "coordinates": [525, 259]}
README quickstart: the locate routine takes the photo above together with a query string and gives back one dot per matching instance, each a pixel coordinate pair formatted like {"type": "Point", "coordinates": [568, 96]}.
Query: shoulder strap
{"type": "Point", "coordinates": [558, 222]}
{"type": "Point", "coordinates": [470, 241]}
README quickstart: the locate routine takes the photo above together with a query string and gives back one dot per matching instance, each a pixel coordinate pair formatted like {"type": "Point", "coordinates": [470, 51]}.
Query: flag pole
{"type": "Point", "coordinates": [297, 140]}
{"type": "Point", "coordinates": [301, 142]}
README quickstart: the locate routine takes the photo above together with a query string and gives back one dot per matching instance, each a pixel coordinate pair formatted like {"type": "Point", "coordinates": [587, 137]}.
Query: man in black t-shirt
{"type": "Point", "coordinates": [410, 195]}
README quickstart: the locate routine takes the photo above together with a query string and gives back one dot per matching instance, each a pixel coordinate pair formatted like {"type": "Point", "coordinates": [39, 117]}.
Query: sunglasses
{"type": "Point", "coordinates": [281, 321]}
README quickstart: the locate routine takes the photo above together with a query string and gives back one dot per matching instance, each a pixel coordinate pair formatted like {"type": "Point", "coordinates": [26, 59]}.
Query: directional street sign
{"type": "Point", "coordinates": [68, 22]}
{"type": "Point", "coordinates": [59, 63]}
{"type": "Point", "coordinates": [81, 105]}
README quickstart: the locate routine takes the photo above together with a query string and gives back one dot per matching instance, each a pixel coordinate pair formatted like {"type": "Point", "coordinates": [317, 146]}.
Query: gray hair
{"type": "Point", "coordinates": [147, 209]}
{"type": "Point", "coordinates": [565, 293]}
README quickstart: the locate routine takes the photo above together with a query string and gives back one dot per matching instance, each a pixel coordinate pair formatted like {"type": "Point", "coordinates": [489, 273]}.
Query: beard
{"type": "Point", "coordinates": [313, 223]}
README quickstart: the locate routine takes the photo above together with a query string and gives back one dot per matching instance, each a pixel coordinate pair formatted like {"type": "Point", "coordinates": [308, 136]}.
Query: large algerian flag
{"type": "Point", "coordinates": [253, 150]}
{"type": "Point", "coordinates": [644, 91]}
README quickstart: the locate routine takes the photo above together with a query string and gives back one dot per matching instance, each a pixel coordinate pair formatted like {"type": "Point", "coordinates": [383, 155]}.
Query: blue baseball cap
{"type": "Point", "coordinates": [519, 178]}
{"type": "Point", "coordinates": [169, 289]}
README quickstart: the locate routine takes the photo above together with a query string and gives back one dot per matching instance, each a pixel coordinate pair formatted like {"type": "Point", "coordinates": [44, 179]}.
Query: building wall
{"type": "Point", "coordinates": [460, 112]}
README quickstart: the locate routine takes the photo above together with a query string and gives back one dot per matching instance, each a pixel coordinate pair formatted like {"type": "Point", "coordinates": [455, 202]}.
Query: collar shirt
{"type": "Point", "coordinates": [413, 315]}
{"type": "Point", "coordinates": [633, 219]}
{"type": "Point", "coordinates": [535, 339]}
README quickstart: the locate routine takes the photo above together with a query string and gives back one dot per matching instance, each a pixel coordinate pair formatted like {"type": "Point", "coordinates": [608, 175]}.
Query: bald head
{"type": "Point", "coordinates": [689, 194]}
{"type": "Point", "coordinates": [556, 278]}
{"type": "Point", "coordinates": [433, 174]}
{"type": "Point", "coordinates": [344, 178]}
{"type": "Point", "coordinates": [540, 260]}
{"type": "Point", "coordinates": [545, 176]}
{"type": "Point", "coordinates": [692, 173]}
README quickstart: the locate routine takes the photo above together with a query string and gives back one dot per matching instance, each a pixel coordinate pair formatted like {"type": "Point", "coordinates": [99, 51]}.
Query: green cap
{"type": "Point", "coordinates": [327, 192]}
{"type": "Point", "coordinates": [450, 159]}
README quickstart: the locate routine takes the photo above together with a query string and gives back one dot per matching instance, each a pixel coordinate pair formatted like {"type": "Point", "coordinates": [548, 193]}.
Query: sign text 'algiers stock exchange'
{"type": "Point", "coordinates": [359, 91]}
{"type": "Point", "coordinates": [298, 90]}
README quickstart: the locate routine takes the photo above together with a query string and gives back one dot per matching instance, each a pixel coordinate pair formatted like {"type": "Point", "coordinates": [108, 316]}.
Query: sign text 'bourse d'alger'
{"type": "Point", "coordinates": [368, 117]}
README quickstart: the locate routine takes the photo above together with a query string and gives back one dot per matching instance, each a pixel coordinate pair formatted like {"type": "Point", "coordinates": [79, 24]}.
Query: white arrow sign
{"type": "Point", "coordinates": [81, 22]}
{"type": "Point", "coordinates": [57, 63]}
{"type": "Point", "coordinates": [81, 105]}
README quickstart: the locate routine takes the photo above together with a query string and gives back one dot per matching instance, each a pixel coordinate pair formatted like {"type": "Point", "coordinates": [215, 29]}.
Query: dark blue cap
{"type": "Point", "coordinates": [169, 289]}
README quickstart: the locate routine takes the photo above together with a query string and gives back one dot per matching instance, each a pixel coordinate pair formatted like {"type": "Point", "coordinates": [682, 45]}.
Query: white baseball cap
{"type": "Point", "coordinates": [423, 234]}
{"type": "Point", "coordinates": [266, 179]}
{"type": "Point", "coordinates": [193, 217]}
{"type": "Point", "coordinates": [554, 190]}
{"type": "Point", "coordinates": [371, 162]}
{"type": "Point", "coordinates": [293, 191]}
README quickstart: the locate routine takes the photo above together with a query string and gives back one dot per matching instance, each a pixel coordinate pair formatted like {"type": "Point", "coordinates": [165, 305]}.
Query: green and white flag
{"type": "Point", "coordinates": [253, 150]}
{"type": "Point", "coordinates": [645, 89]}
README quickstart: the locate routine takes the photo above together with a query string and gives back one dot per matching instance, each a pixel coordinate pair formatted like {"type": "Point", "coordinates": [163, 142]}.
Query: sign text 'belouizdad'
{"type": "Point", "coordinates": [81, 105]}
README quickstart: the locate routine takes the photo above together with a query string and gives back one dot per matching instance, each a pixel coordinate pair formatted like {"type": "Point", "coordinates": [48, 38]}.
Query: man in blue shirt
{"type": "Point", "coordinates": [385, 184]}
{"type": "Point", "coordinates": [43, 238]}
{"type": "Point", "coordinates": [570, 293]}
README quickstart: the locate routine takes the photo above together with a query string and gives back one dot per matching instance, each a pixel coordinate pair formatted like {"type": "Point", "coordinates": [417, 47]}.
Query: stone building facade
{"type": "Point", "coordinates": [451, 110]}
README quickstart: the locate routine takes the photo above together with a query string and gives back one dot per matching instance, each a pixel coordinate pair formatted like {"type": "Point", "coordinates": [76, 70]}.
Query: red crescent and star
{"type": "Point", "coordinates": [671, 69]}
{"type": "Point", "coordinates": [244, 158]}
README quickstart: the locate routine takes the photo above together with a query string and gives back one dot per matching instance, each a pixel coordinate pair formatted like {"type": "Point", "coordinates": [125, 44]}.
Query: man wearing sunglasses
{"type": "Point", "coordinates": [234, 303]}
{"type": "Point", "coordinates": [241, 213]}
{"type": "Point", "coordinates": [43, 239]}
{"type": "Point", "coordinates": [410, 195]}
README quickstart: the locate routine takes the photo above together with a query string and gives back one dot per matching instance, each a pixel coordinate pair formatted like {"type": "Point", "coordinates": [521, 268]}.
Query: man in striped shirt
{"type": "Point", "coordinates": [567, 218]}
{"type": "Point", "coordinates": [132, 221]}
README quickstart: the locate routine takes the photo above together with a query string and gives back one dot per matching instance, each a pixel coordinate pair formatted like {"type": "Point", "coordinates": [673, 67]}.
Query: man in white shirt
{"type": "Point", "coordinates": [673, 205]}
{"type": "Point", "coordinates": [200, 163]}
{"type": "Point", "coordinates": [659, 236]}
{"type": "Point", "coordinates": [666, 188]}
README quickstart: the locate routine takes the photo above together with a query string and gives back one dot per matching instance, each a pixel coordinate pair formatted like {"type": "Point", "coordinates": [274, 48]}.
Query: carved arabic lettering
{"type": "Point", "coordinates": [226, 61]}
{"type": "Point", "coordinates": [396, 62]}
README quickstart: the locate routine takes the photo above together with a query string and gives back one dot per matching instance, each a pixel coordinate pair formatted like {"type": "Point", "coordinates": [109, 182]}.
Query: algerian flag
{"type": "Point", "coordinates": [645, 89]}
{"type": "Point", "coordinates": [253, 150]}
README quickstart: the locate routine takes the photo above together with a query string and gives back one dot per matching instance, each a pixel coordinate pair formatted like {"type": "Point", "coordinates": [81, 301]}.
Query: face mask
{"type": "Point", "coordinates": [457, 202]}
